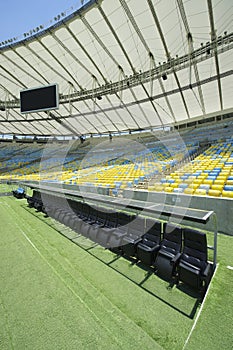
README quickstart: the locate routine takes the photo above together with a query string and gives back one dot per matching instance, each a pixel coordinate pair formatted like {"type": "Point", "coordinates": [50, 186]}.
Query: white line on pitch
{"type": "Point", "coordinates": [199, 312]}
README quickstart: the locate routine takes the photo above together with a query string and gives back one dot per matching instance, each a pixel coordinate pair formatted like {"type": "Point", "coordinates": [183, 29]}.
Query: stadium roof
{"type": "Point", "coordinates": [122, 65]}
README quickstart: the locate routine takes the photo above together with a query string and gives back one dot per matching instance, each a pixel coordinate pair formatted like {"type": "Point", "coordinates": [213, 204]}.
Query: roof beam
{"type": "Point", "coordinates": [213, 39]}
{"type": "Point", "coordinates": [159, 28]}
{"type": "Point", "coordinates": [92, 61]}
{"type": "Point", "coordinates": [113, 59]}
{"type": "Point", "coordinates": [223, 44]}
{"type": "Point", "coordinates": [191, 50]}
{"type": "Point", "coordinates": [21, 84]}
{"type": "Point", "coordinates": [174, 91]}
{"type": "Point", "coordinates": [136, 28]}
{"type": "Point", "coordinates": [67, 71]}
{"type": "Point", "coordinates": [21, 69]}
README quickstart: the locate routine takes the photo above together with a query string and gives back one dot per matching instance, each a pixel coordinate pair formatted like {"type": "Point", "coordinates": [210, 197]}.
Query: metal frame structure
{"type": "Point", "coordinates": [122, 65]}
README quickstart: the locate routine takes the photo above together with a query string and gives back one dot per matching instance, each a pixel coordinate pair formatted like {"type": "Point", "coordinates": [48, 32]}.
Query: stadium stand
{"type": "Point", "coordinates": [133, 164]}
{"type": "Point", "coordinates": [208, 173]}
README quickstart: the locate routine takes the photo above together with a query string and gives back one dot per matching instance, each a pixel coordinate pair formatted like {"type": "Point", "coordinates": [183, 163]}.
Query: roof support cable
{"type": "Point", "coordinates": [5, 89]}
{"type": "Point", "coordinates": [33, 67]}
{"type": "Point", "coordinates": [93, 63]}
{"type": "Point", "coordinates": [5, 101]}
{"type": "Point", "coordinates": [94, 86]}
{"type": "Point", "coordinates": [20, 131]}
{"type": "Point", "coordinates": [190, 42]}
{"type": "Point", "coordinates": [97, 38]}
{"type": "Point", "coordinates": [214, 43]}
{"type": "Point", "coordinates": [121, 72]}
{"type": "Point", "coordinates": [81, 88]}
{"type": "Point", "coordinates": [120, 82]}
{"type": "Point", "coordinates": [90, 58]}
{"type": "Point", "coordinates": [152, 66]}
{"type": "Point", "coordinates": [80, 114]}
{"type": "Point", "coordinates": [71, 89]}
{"type": "Point", "coordinates": [64, 125]}
{"type": "Point", "coordinates": [132, 20]}
{"type": "Point", "coordinates": [143, 41]}
{"type": "Point", "coordinates": [94, 83]}
{"type": "Point", "coordinates": [21, 69]}
{"type": "Point", "coordinates": [168, 55]}
{"type": "Point", "coordinates": [117, 38]}
{"type": "Point", "coordinates": [62, 66]}
{"type": "Point", "coordinates": [191, 50]}
{"type": "Point", "coordinates": [15, 79]}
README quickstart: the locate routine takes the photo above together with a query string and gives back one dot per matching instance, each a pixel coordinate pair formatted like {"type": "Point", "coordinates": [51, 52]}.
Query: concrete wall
{"type": "Point", "coordinates": [223, 207]}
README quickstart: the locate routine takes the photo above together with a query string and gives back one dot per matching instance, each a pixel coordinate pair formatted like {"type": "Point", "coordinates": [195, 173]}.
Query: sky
{"type": "Point", "coordinates": [19, 16]}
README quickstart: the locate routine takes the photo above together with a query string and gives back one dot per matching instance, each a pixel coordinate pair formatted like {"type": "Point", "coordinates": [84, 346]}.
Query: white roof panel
{"type": "Point", "coordinates": [105, 56]}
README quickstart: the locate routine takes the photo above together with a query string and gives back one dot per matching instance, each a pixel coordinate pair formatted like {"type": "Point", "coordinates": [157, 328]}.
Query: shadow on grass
{"type": "Point", "coordinates": [178, 297]}
{"type": "Point", "coordinates": [6, 194]}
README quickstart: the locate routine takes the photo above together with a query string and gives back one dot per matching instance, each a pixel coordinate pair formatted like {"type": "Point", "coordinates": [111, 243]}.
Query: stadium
{"type": "Point", "coordinates": [116, 178]}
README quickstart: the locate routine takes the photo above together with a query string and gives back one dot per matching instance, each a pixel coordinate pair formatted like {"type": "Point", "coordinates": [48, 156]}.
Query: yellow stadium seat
{"type": "Point", "coordinates": [178, 180]}
{"type": "Point", "coordinates": [200, 192]}
{"type": "Point", "coordinates": [194, 186]}
{"type": "Point", "coordinates": [174, 185]}
{"type": "Point", "coordinates": [222, 177]}
{"type": "Point", "coordinates": [217, 187]}
{"type": "Point", "coordinates": [207, 182]}
{"type": "Point", "coordinates": [168, 189]}
{"type": "Point", "coordinates": [189, 190]}
{"type": "Point", "coordinates": [228, 194]}
{"type": "Point", "coordinates": [219, 182]}
{"type": "Point", "coordinates": [189, 180]}
{"type": "Point", "coordinates": [214, 193]}
{"type": "Point", "coordinates": [198, 181]}
{"type": "Point", "coordinates": [159, 188]}
{"type": "Point", "coordinates": [202, 176]}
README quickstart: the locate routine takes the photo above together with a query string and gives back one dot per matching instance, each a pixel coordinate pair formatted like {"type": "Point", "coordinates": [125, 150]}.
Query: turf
{"type": "Point", "coordinates": [4, 188]}
{"type": "Point", "coordinates": [59, 294]}
{"type": "Point", "coordinates": [214, 328]}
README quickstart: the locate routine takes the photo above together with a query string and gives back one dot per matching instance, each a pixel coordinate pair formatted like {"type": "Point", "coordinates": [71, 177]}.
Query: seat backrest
{"type": "Point", "coordinates": [93, 213]}
{"type": "Point", "coordinates": [153, 231]}
{"type": "Point", "coordinates": [137, 226]}
{"type": "Point", "coordinates": [85, 209]}
{"type": "Point", "coordinates": [101, 216]}
{"type": "Point", "coordinates": [111, 218]}
{"type": "Point", "coordinates": [172, 237]}
{"type": "Point", "coordinates": [195, 244]}
{"type": "Point", "coordinates": [153, 227]}
{"type": "Point", "coordinates": [124, 218]}
{"type": "Point", "coordinates": [151, 240]}
{"type": "Point", "coordinates": [36, 194]}
{"type": "Point", "coordinates": [75, 205]}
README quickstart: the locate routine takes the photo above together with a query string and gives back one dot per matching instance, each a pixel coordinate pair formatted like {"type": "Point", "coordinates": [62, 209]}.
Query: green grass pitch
{"type": "Point", "coordinates": [59, 294]}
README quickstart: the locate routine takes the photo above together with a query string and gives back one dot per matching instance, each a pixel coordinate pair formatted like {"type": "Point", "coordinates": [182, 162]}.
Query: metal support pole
{"type": "Point", "coordinates": [215, 239]}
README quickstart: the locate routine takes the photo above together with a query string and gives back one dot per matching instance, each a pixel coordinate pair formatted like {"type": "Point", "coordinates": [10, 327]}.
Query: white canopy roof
{"type": "Point", "coordinates": [123, 65]}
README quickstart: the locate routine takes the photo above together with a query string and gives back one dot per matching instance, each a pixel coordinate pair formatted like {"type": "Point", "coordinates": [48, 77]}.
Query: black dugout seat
{"type": "Point", "coordinates": [193, 268]}
{"type": "Point", "coordinates": [169, 251]}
